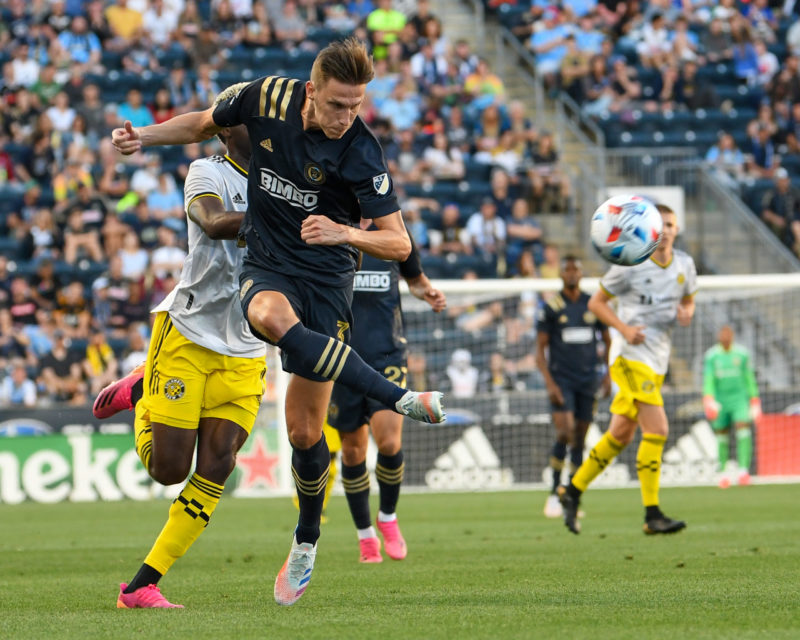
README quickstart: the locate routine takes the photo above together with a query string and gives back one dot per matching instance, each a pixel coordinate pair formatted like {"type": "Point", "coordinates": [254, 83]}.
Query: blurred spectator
{"type": "Point", "coordinates": [228, 25]}
{"type": "Point", "coordinates": [46, 237]}
{"type": "Point", "coordinates": [760, 159]}
{"type": "Point", "coordinates": [780, 210]}
{"type": "Point", "coordinates": [168, 257]}
{"type": "Point", "coordinates": [257, 29]}
{"type": "Point", "coordinates": [15, 344]}
{"type": "Point", "coordinates": [484, 87]}
{"type": "Point", "coordinates": [125, 24]}
{"type": "Point", "coordinates": [419, 376]}
{"type": "Point", "coordinates": [290, 28]}
{"type": "Point", "coordinates": [61, 114]}
{"type": "Point", "coordinates": [17, 389]}
{"type": "Point", "coordinates": [180, 89]}
{"type": "Point", "coordinates": [485, 231]}
{"type": "Point", "coordinates": [768, 64]}
{"type": "Point", "coordinates": [158, 23]}
{"type": "Point", "coordinates": [550, 187]}
{"type": "Point", "coordinates": [45, 284]}
{"type": "Point", "coordinates": [761, 19]}
{"type": "Point", "coordinates": [416, 226]}
{"type": "Point", "coordinates": [450, 237]}
{"type": "Point", "coordinates": [745, 58]}
{"type": "Point", "coordinates": [100, 364]}
{"type": "Point", "coordinates": [549, 44]}
{"type": "Point", "coordinates": [524, 235]}
{"type": "Point", "coordinates": [22, 305]}
{"type": "Point", "coordinates": [134, 258]}
{"type": "Point", "coordinates": [23, 70]}
{"type": "Point", "coordinates": [574, 68]}
{"type": "Point", "coordinates": [166, 201]}
{"type": "Point", "coordinates": [384, 25]}
{"type": "Point", "coordinates": [690, 92]}
{"type": "Point", "coordinates": [654, 48]}
{"type": "Point", "coordinates": [551, 264]}
{"type": "Point", "coordinates": [727, 161]}
{"type": "Point", "coordinates": [502, 192]}
{"type": "Point", "coordinates": [205, 87]}
{"type": "Point", "coordinates": [497, 377]}
{"type": "Point", "coordinates": [401, 108]}
{"type": "Point", "coordinates": [79, 47]}
{"type": "Point", "coordinates": [80, 241]}
{"type": "Point", "coordinates": [136, 351]}
{"type": "Point", "coordinates": [61, 374]}
{"type": "Point", "coordinates": [717, 42]}
{"type": "Point", "coordinates": [685, 44]}
{"type": "Point", "coordinates": [134, 110]}
{"type": "Point", "coordinates": [443, 161]}
{"type": "Point", "coordinates": [461, 376]}
{"type": "Point", "coordinates": [72, 313]}
{"type": "Point", "coordinates": [428, 67]}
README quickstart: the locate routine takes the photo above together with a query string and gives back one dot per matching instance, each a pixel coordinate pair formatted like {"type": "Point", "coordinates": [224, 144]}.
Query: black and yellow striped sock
{"type": "Point", "coordinates": [310, 469]}
{"type": "Point", "coordinates": [648, 467]}
{"type": "Point", "coordinates": [188, 517]}
{"type": "Point", "coordinates": [607, 448]}
{"type": "Point", "coordinates": [355, 481]}
{"type": "Point", "coordinates": [389, 472]}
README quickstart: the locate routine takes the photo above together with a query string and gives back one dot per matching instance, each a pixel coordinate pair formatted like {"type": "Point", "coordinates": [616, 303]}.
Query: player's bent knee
{"type": "Point", "coordinates": [166, 473]}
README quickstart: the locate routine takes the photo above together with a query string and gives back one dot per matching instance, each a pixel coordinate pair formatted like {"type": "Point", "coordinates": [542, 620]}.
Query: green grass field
{"type": "Point", "coordinates": [482, 565]}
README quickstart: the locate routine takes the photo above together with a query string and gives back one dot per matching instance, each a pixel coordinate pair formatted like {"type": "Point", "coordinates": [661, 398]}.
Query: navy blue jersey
{"type": "Point", "coordinates": [573, 331]}
{"type": "Point", "coordinates": [295, 173]}
{"type": "Point", "coordinates": [378, 331]}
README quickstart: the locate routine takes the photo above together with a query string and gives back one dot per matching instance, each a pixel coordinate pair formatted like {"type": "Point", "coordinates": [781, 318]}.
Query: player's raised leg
{"type": "Point", "coordinates": [120, 395]}
{"type": "Point", "coordinates": [312, 354]}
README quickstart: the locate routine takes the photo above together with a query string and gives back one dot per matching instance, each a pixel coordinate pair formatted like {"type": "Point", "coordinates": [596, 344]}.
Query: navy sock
{"type": "Point", "coordinates": [313, 353]}
{"type": "Point", "coordinates": [355, 481]}
{"type": "Point", "coordinates": [310, 470]}
{"type": "Point", "coordinates": [389, 472]}
{"type": "Point", "coordinates": [575, 457]}
{"type": "Point", "coordinates": [557, 455]}
{"type": "Point", "coordinates": [137, 391]}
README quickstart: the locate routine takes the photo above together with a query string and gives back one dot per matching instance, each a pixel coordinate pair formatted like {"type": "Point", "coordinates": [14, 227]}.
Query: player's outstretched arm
{"type": "Point", "coordinates": [421, 287]}
{"type": "Point", "coordinates": [598, 305]}
{"type": "Point", "coordinates": [186, 128]}
{"type": "Point", "coordinates": [210, 215]}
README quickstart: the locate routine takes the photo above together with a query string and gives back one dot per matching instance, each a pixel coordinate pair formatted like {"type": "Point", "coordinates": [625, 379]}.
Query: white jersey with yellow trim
{"type": "Point", "coordinates": [648, 294]}
{"type": "Point", "coordinates": [204, 305]}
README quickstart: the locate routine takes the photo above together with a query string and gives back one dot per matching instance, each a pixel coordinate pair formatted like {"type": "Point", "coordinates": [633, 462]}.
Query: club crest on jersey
{"type": "Point", "coordinates": [381, 184]}
{"type": "Point", "coordinates": [681, 278]}
{"type": "Point", "coordinates": [314, 173]}
{"type": "Point", "coordinates": [174, 389]}
{"type": "Point", "coordinates": [648, 386]}
{"type": "Point", "coordinates": [245, 288]}
{"type": "Point", "coordinates": [589, 317]}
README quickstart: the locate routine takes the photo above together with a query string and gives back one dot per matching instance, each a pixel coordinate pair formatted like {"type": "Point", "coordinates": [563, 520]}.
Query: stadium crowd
{"type": "Point", "coordinates": [90, 241]}
{"type": "Point", "coordinates": [720, 76]}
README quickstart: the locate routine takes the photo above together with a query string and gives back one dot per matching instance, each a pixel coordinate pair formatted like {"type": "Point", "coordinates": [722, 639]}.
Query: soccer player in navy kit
{"type": "Point", "coordinates": [568, 331]}
{"type": "Point", "coordinates": [379, 337]}
{"type": "Point", "coordinates": [315, 171]}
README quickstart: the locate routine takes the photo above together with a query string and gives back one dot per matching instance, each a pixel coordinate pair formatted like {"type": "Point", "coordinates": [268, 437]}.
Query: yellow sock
{"type": "Point", "coordinates": [143, 441]}
{"type": "Point", "coordinates": [599, 458]}
{"type": "Point", "coordinates": [648, 466]}
{"type": "Point", "coordinates": [329, 484]}
{"type": "Point", "coordinates": [188, 516]}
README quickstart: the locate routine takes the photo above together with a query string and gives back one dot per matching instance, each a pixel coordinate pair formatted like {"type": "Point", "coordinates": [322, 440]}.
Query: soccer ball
{"type": "Point", "coordinates": [626, 229]}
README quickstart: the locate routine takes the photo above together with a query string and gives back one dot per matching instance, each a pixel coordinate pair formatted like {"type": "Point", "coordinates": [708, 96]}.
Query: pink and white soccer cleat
{"type": "Point", "coordinates": [392, 539]}
{"type": "Point", "coordinates": [370, 550]}
{"type": "Point", "coordinates": [148, 597]}
{"type": "Point", "coordinates": [116, 397]}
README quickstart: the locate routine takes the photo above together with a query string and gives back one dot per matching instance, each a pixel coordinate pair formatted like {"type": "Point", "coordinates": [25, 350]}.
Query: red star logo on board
{"type": "Point", "coordinates": [258, 465]}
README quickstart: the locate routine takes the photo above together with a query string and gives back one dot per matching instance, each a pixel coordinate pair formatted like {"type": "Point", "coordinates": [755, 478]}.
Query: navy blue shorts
{"type": "Point", "coordinates": [348, 409]}
{"type": "Point", "coordinates": [579, 399]}
{"type": "Point", "coordinates": [321, 308]}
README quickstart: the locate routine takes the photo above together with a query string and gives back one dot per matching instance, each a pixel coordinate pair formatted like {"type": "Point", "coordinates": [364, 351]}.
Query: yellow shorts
{"type": "Point", "coordinates": [332, 437]}
{"type": "Point", "coordinates": [636, 382]}
{"type": "Point", "coordinates": [184, 382]}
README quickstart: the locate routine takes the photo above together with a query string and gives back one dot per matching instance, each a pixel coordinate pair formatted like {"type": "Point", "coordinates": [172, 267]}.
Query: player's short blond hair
{"type": "Point", "coordinates": [346, 61]}
{"type": "Point", "coordinates": [662, 208]}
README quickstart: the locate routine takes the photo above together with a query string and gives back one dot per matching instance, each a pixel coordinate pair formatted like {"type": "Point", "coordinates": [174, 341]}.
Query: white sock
{"type": "Point", "coordinates": [369, 532]}
{"type": "Point", "coordinates": [386, 517]}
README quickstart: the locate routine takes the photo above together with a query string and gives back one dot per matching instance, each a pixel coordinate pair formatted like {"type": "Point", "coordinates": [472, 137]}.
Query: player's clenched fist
{"type": "Point", "coordinates": [318, 229]}
{"type": "Point", "coordinates": [126, 140]}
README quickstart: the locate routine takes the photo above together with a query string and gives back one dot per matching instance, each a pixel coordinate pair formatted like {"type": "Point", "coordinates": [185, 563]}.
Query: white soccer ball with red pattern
{"type": "Point", "coordinates": [626, 229]}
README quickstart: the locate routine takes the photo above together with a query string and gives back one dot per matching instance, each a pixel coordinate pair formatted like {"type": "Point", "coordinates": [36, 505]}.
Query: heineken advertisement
{"type": "Point", "coordinates": [52, 455]}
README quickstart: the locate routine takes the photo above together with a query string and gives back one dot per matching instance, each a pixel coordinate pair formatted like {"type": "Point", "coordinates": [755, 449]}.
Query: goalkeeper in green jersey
{"type": "Point", "coordinates": [730, 398]}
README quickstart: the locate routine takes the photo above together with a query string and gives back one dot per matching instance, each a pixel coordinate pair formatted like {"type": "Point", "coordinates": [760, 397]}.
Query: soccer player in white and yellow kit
{"type": "Point", "coordinates": [203, 379]}
{"type": "Point", "coordinates": [652, 297]}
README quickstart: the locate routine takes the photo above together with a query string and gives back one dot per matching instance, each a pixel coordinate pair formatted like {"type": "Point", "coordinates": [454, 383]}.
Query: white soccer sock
{"type": "Point", "coordinates": [369, 532]}
{"type": "Point", "coordinates": [386, 517]}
